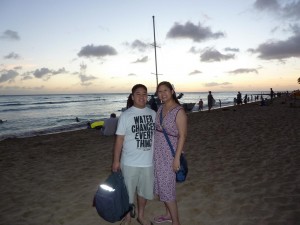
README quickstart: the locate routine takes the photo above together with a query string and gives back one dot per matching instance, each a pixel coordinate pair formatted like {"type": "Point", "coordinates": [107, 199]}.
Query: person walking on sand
{"type": "Point", "coordinates": [200, 105]}
{"type": "Point", "coordinates": [210, 100]}
{"type": "Point", "coordinates": [133, 151]}
{"type": "Point", "coordinates": [165, 165]}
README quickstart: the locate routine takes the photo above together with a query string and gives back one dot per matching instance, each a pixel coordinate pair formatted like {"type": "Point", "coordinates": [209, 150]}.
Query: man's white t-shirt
{"type": "Point", "coordinates": [137, 125]}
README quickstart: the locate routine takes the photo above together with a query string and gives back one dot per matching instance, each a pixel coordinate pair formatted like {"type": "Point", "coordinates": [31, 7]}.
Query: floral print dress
{"type": "Point", "coordinates": [164, 176]}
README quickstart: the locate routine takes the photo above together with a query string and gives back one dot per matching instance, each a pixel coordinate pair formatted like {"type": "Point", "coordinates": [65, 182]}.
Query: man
{"type": "Point", "coordinates": [271, 93]}
{"type": "Point", "coordinates": [133, 152]}
{"type": "Point", "coordinates": [110, 125]}
{"type": "Point", "coordinates": [210, 100]}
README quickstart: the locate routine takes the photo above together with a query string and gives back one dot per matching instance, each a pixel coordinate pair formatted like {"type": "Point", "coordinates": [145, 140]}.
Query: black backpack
{"type": "Point", "coordinates": [111, 199]}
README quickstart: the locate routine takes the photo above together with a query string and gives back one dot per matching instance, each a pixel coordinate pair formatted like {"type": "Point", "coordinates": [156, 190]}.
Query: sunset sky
{"type": "Point", "coordinates": [97, 46]}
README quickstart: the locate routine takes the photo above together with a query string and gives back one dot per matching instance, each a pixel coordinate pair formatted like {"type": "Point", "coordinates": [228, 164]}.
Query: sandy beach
{"type": "Point", "coordinates": [244, 169]}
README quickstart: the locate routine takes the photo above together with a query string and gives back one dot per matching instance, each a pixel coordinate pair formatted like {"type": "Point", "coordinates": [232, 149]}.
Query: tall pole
{"type": "Point", "coordinates": [155, 52]}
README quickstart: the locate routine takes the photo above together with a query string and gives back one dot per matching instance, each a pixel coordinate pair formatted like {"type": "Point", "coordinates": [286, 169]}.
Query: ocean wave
{"type": "Point", "coordinates": [11, 104]}
{"type": "Point", "coordinates": [25, 109]}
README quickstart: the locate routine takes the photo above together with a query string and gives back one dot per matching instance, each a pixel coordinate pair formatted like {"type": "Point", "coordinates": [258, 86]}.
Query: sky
{"type": "Point", "coordinates": [97, 46]}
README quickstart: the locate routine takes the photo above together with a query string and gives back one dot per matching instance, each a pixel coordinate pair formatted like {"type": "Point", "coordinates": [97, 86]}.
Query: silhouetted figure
{"type": "Point", "coordinates": [239, 98]}
{"type": "Point", "coordinates": [245, 99]}
{"type": "Point", "coordinates": [271, 93]}
{"type": "Point", "coordinates": [210, 100]}
{"type": "Point", "coordinates": [200, 105]}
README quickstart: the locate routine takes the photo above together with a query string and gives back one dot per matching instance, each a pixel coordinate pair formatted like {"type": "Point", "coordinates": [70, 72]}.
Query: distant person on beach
{"type": "Point", "coordinates": [165, 165]}
{"type": "Point", "coordinates": [271, 93]}
{"type": "Point", "coordinates": [210, 100]}
{"type": "Point", "coordinates": [239, 99]}
{"type": "Point", "coordinates": [77, 120]}
{"type": "Point", "coordinates": [220, 103]}
{"type": "Point", "coordinates": [133, 152]}
{"type": "Point", "coordinates": [245, 99]}
{"type": "Point", "coordinates": [200, 105]}
{"type": "Point", "coordinates": [110, 125]}
{"type": "Point", "coordinates": [234, 101]}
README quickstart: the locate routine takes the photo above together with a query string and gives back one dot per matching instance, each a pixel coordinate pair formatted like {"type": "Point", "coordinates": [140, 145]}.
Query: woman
{"type": "Point", "coordinates": [165, 165]}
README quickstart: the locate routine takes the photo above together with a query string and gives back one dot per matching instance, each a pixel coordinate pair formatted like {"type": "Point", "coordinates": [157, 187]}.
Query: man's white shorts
{"type": "Point", "coordinates": [140, 179]}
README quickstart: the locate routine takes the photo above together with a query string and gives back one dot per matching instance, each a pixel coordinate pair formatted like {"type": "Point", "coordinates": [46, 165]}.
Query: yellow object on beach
{"type": "Point", "coordinates": [97, 124]}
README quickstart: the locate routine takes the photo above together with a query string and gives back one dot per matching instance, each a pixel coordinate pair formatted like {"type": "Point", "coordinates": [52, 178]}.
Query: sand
{"type": "Point", "coordinates": [244, 167]}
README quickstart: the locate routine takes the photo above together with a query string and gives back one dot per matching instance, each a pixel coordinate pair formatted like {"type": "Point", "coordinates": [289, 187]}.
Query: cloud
{"type": "Point", "coordinates": [85, 78]}
{"type": "Point", "coordinates": [142, 60]}
{"type": "Point", "coordinates": [194, 50]}
{"type": "Point", "coordinates": [214, 84]}
{"type": "Point", "coordinates": [10, 35]}
{"type": "Point", "coordinates": [197, 33]}
{"type": "Point", "coordinates": [292, 10]}
{"type": "Point", "coordinates": [96, 51]}
{"type": "Point", "coordinates": [280, 49]}
{"type": "Point", "coordinates": [39, 73]}
{"type": "Point", "coordinates": [46, 73]}
{"type": "Point", "coordinates": [289, 10]}
{"type": "Point", "coordinates": [266, 5]}
{"type": "Point", "coordinates": [12, 55]}
{"type": "Point", "coordinates": [59, 71]}
{"type": "Point", "coordinates": [138, 45]}
{"type": "Point", "coordinates": [27, 77]}
{"type": "Point", "coordinates": [231, 49]}
{"type": "Point", "coordinates": [243, 70]}
{"type": "Point", "coordinates": [195, 72]}
{"type": "Point", "coordinates": [131, 74]}
{"type": "Point", "coordinates": [8, 75]}
{"type": "Point", "coordinates": [212, 55]}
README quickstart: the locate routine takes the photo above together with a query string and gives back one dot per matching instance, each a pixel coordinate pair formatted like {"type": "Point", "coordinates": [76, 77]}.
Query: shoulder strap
{"type": "Point", "coordinates": [166, 136]}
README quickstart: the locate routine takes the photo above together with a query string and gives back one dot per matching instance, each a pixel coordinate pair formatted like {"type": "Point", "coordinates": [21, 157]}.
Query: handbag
{"type": "Point", "coordinates": [181, 174]}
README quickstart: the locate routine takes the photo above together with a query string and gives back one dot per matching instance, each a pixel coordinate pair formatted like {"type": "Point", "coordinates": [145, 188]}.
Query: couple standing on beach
{"type": "Point", "coordinates": [148, 167]}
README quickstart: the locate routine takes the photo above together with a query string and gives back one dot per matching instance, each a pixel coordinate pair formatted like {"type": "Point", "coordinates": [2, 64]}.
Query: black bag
{"type": "Point", "coordinates": [111, 199]}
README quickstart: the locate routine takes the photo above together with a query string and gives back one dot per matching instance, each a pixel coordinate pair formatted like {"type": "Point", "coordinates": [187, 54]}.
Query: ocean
{"type": "Point", "coordinates": [31, 115]}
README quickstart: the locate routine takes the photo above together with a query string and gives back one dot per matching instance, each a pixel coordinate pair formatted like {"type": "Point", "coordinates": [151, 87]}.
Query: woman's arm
{"type": "Point", "coordinates": [181, 123]}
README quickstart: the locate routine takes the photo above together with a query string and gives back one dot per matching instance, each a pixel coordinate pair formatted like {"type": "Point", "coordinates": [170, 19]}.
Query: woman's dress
{"type": "Point", "coordinates": [164, 176]}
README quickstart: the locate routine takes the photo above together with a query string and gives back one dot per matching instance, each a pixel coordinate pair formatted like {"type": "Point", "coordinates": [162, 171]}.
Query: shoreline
{"type": "Point", "coordinates": [243, 169]}
{"type": "Point", "coordinates": [83, 126]}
